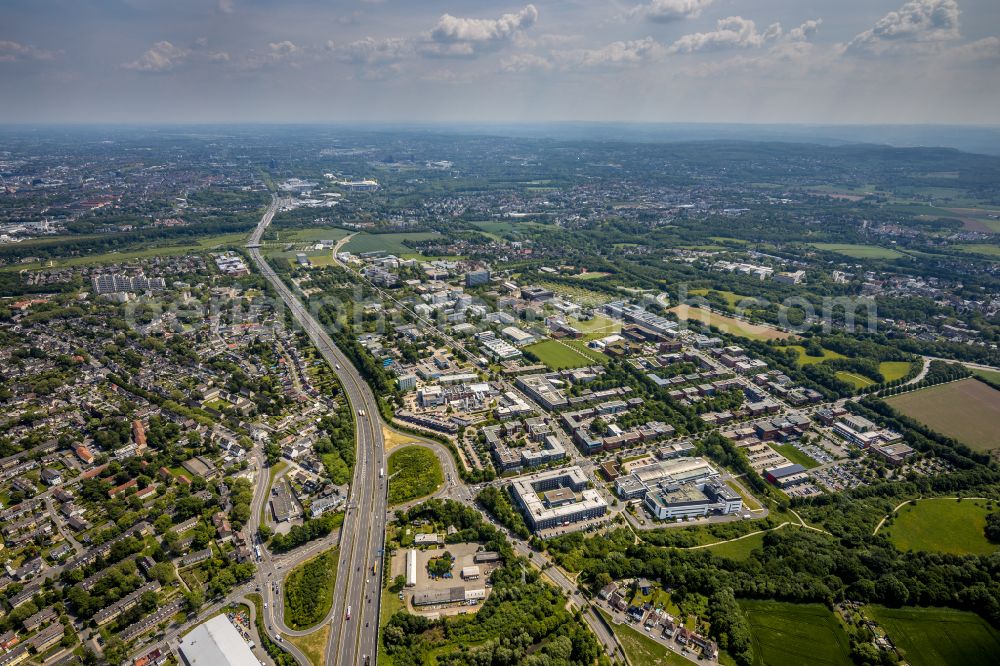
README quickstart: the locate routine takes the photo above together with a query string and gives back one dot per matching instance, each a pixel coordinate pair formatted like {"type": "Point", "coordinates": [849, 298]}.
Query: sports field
{"type": "Point", "coordinates": [967, 410]}
{"type": "Point", "coordinates": [559, 355]}
{"type": "Point", "coordinates": [935, 636]}
{"type": "Point", "coordinates": [860, 251]}
{"type": "Point", "coordinates": [729, 324]}
{"type": "Point", "coordinates": [786, 634]}
{"type": "Point", "coordinates": [943, 526]}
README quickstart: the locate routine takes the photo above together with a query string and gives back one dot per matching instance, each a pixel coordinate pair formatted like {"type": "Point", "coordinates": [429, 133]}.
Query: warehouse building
{"type": "Point", "coordinates": [216, 643]}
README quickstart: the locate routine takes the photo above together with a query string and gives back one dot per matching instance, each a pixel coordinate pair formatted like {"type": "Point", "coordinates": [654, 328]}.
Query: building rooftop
{"type": "Point", "coordinates": [216, 643]}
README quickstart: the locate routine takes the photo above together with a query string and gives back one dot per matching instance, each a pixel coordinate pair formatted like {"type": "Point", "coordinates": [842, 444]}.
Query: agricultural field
{"type": "Point", "coordinates": [806, 359]}
{"type": "Point", "coordinates": [729, 324]}
{"type": "Point", "coordinates": [641, 649]}
{"type": "Point", "coordinates": [415, 472]}
{"type": "Point", "coordinates": [967, 410]}
{"type": "Point", "coordinates": [860, 251]}
{"type": "Point", "coordinates": [977, 219]}
{"type": "Point", "coordinates": [893, 370]}
{"type": "Point", "coordinates": [560, 355]}
{"type": "Point", "coordinates": [985, 249]}
{"type": "Point", "coordinates": [311, 234]}
{"type": "Point", "coordinates": [933, 636]}
{"type": "Point", "coordinates": [920, 526]}
{"type": "Point", "coordinates": [308, 590]}
{"type": "Point", "coordinates": [390, 243]}
{"type": "Point", "coordinates": [992, 375]}
{"type": "Point", "coordinates": [787, 634]}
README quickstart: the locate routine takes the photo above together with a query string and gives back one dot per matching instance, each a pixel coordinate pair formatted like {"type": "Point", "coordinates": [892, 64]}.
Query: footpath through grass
{"type": "Point", "coordinates": [943, 526]}
{"type": "Point", "coordinates": [309, 590]}
{"type": "Point", "coordinates": [787, 634]}
{"type": "Point", "coordinates": [935, 636]}
{"type": "Point", "coordinates": [415, 472]}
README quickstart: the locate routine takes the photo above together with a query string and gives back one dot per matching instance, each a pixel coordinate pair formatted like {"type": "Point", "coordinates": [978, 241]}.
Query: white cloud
{"type": "Point", "coordinates": [17, 52]}
{"type": "Point", "coordinates": [917, 25]}
{"type": "Point", "coordinates": [732, 32]}
{"type": "Point", "coordinates": [165, 57]}
{"type": "Point", "coordinates": [667, 11]}
{"type": "Point", "coordinates": [226, 6]}
{"type": "Point", "coordinates": [616, 53]}
{"type": "Point", "coordinates": [373, 52]}
{"type": "Point", "coordinates": [275, 53]}
{"type": "Point", "coordinates": [804, 31]}
{"type": "Point", "coordinates": [525, 62]}
{"type": "Point", "coordinates": [465, 37]}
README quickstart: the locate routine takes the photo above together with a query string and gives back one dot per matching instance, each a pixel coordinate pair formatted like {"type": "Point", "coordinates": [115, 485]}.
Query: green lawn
{"type": "Point", "coordinates": [415, 472]}
{"type": "Point", "coordinates": [795, 455]}
{"type": "Point", "coordinates": [893, 370]}
{"type": "Point", "coordinates": [643, 650]}
{"type": "Point", "coordinates": [860, 251]}
{"type": "Point", "coordinates": [793, 634]}
{"type": "Point", "coordinates": [942, 525]}
{"type": "Point", "coordinates": [739, 549]}
{"type": "Point", "coordinates": [559, 354]}
{"type": "Point", "coordinates": [992, 375]}
{"type": "Point", "coordinates": [935, 636]}
{"type": "Point", "coordinates": [989, 250]}
{"type": "Point", "coordinates": [311, 234]}
{"type": "Point", "coordinates": [805, 359]}
{"type": "Point", "coordinates": [390, 243]}
{"type": "Point", "coordinates": [308, 590]}
{"type": "Point", "coordinates": [967, 410]}
{"type": "Point", "coordinates": [596, 327]}
{"type": "Point", "coordinates": [730, 297]}
{"type": "Point", "coordinates": [853, 378]}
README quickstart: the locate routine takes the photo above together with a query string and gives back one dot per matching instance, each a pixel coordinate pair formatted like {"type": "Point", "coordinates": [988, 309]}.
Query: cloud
{"type": "Point", "coordinates": [275, 53]}
{"type": "Point", "coordinates": [525, 62]}
{"type": "Point", "coordinates": [465, 37]}
{"type": "Point", "coordinates": [373, 52]}
{"type": "Point", "coordinates": [17, 52]}
{"type": "Point", "coordinates": [165, 57]}
{"type": "Point", "coordinates": [732, 32]}
{"type": "Point", "coordinates": [987, 48]}
{"type": "Point", "coordinates": [668, 11]}
{"type": "Point", "coordinates": [226, 6]}
{"type": "Point", "coordinates": [917, 25]}
{"type": "Point", "coordinates": [616, 53]}
{"type": "Point", "coordinates": [804, 31]}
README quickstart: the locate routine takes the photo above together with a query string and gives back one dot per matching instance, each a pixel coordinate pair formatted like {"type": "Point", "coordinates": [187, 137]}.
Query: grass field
{"type": "Point", "coordinates": [739, 549]}
{"type": "Point", "coordinates": [933, 636]}
{"type": "Point", "coordinates": [942, 525]}
{"type": "Point", "coordinates": [991, 375]}
{"type": "Point", "coordinates": [185, 246]}
{"type": "Point", "coordinates": [985, 249]}
{"type": "Point", "coordinates": [806, 359]}
{"type": "Point", "coordinates": [860, 251]}
{"type": "Point", "coordinates": [415, 472]}
{"type": "Point", "coordinates": [853, 378]}
{"type": "Point", "coordinates": [390, 243]}
{"type": "Point", "coordinates": [795, 455]}
{"type": "Point", "coordinates": [311, 234]}
{"type": "Point", "coordinates": [313, 645]}
{"type": "Point", "coordinates": [893, 370]}
{"type": "Point", "coordinates": [559, 355]}
{"type": "Point", "coordinates": [579, 295]}
{"type": "Point", "coordinates": [967, 410]}
{"type": "Point", "coordinates": [641, 649]}
{"type": "Point", "coordinates": [793, 634]}
{"type": "Point", "coordinates": [308, 590]}
{"type": "Point", "coordinates": [731, 298]}
{"type": "Point", "coordinates": [596, 327]}
{"type": "Point", "coordinates": [729, 324]}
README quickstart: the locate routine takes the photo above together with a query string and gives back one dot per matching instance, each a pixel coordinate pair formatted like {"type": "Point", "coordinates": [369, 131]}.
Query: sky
{"type": "Point", "coordinates": [720, 61]}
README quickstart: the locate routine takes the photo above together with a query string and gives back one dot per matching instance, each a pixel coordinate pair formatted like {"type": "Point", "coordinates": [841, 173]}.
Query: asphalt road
{"type": "Point", "coordinates": [354, 619]}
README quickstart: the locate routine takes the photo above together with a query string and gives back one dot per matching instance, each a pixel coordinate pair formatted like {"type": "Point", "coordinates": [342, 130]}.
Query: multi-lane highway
{"type": "Point", "coordinates": [354, 618]}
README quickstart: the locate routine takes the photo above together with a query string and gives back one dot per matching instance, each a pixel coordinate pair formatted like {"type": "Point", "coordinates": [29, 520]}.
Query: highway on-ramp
{"type": "Point", "coordinates": [357, 595]}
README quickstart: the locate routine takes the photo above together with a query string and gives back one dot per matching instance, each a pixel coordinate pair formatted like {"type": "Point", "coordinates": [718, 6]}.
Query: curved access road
{"type": "Point", "coordinates": [357, 595]}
